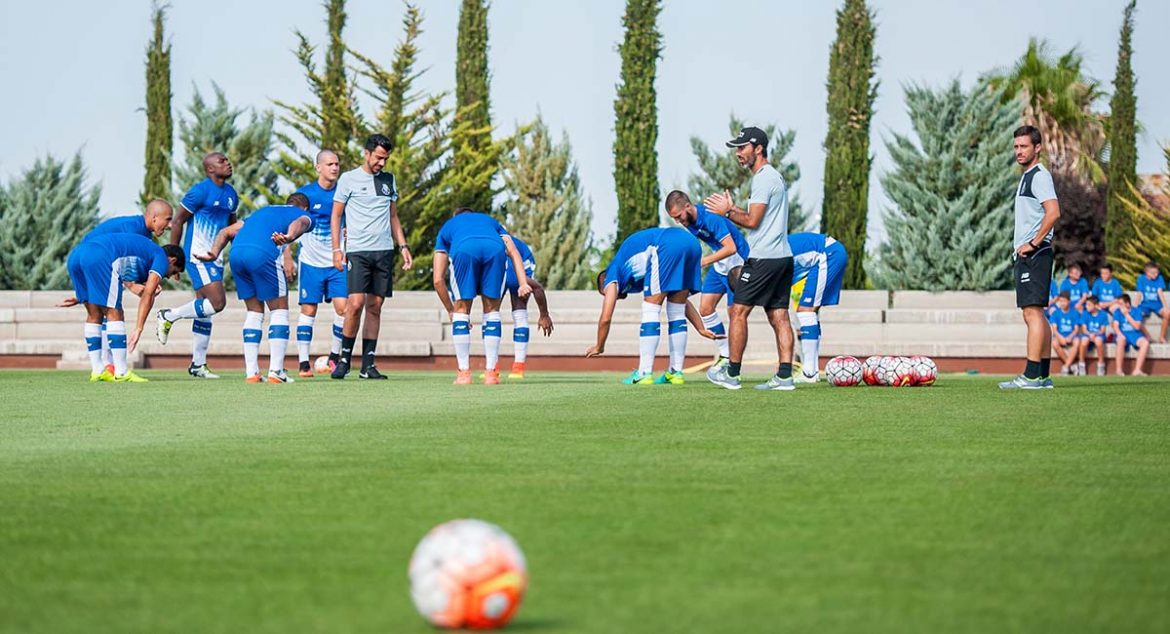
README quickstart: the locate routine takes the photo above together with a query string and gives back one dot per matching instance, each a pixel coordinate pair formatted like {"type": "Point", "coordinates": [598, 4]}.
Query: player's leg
{"type": "Point", "coordinates": [305, 323]}
{"type": "Point", "coordinates": [1143, 349]}
{"type": "Point", "coordinates": [491, 280]}
{"type": "Point", "coordinates": [94, 322]}
{"type": "Point", "coordinates": [116, 329]}
{"type": "Point", "coordinates": [201, 328]}
{"type": "Point", "coordinates": [253, 332]}
{"type": "Point", "coordinates": [520, 333]}
{"type": "Point", "coordinates": [201, 309]}
{"type": "Point", "coordinates": [278, 338]}
{"type": "Point", "coordinates": [338, 329]}
{"type": "Point", "coordinates": [461, 338]}
{"type": "Point", "coordinates": [107, 356]}
{"type": "Point", "coordinates": [779, 277]}
{"type": "Point", "coordinates": [714, 287]}
{"type": "Point", "coordinates": [676, 327]}
{"type": "Point", "coordinates": [359, 279]}
{"type": "Point", "coordinates": [492, 334]}
{"type": "Point", "coordinates": [381, 287]}
{"type": "Point", "coordinates": [649, 334]}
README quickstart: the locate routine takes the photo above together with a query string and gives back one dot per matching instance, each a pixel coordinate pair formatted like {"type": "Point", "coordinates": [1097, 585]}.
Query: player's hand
{"type": "Point", "coordinates": [710, 335]}
{"type": "Point", "coordinates": [158, 289]}
{"type": "Point", "coordinates": [339, 260]}
{"type": "Point", "coordinates": [545, 324]}
{"type": "Point", "coordinates": [1025, 249]}
{"type": "Point", "coordinates": [132, 342]}
{"type": "Point", "coordinates": [524, 290]}
{"type": "Point", "coordinates": [290, 269]}
{"type": "Point", "coordinates": [206, 257]}
{"type": "Point", "coordinates": [137, 289]}
{"type": "Point", "coordinates": [280, 239]}
{"type": "Point", "coordinates": [407, 260]}
{"type": "Point", "coordinates": [719, 203]}
{"type": "Point", "coordinates": [68, 303]}
{"type": "Point", "coordinates": [595, 351]}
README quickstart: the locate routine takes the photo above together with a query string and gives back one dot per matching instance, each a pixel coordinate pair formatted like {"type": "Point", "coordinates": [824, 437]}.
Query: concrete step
{"type": "Point", "coordinates": [954, 299]}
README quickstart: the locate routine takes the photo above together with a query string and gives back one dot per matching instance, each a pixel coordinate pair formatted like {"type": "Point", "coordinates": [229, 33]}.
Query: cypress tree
{"type": "Point", "coordinates": [43, 215]}
{"type": "Point", "coordinates": [852, 88]}
{"type": "Point", "coordinates": [472, 98]}
{"type": "Point", "coordinates": [548, 210]}
{"type": "Point", "coordinates": [952, 190]}
{"type": "Point", "coordinates": [156, 182]}
{"type": "Point", "coordinates": [719, 171]}
{"type": "Point", "coordinates": [635, 157]}
{"type": "Point", "coordinates": [1122, 142]}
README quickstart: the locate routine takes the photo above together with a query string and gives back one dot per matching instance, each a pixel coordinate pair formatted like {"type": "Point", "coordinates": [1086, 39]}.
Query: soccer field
{"type": "Point", "coordinates": [182, 505]}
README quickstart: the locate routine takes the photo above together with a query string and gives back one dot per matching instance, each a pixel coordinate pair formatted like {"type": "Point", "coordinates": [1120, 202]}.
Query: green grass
{"type": "Point", "coordinates": [191, 506]}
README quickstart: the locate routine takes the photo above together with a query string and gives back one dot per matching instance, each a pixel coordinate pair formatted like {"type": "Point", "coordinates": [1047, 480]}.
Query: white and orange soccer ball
{"type": "Point", "coordinates": [467, 573]}
{"type": "Point", "coordinates": [899, 372]}
{"type": "Point", "coordinates": [321, 365]}
{"type": "Point", "coordinates": [869, 370]}
{"type": "Point", "coordinates": [924, 370]}
{"type": "Point", "coordinates": [843, 371]}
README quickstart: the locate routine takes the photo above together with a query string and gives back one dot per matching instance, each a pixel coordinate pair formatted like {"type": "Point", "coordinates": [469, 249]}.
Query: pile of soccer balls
{"type": "Point", "coordinates": [916, 371]}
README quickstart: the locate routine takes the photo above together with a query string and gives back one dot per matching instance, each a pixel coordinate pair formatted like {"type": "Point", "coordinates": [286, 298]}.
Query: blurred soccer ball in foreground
{"type": "Point", "coordinates": [467, 573]}
{"type": "Point", "coordinates": [321, 365]}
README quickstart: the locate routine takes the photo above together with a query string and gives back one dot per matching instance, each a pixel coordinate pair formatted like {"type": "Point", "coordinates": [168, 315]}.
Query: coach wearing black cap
{"type": "Point", "coordinates": [766, 278]}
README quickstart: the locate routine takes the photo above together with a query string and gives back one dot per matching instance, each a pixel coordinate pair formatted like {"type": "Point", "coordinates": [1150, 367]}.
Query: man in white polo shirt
{"type": "Point", "coordinates": [366, 198]}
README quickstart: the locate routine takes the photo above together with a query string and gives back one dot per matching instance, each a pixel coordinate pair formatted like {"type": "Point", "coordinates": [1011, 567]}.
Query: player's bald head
{"type": "Point", "coordinates": [157, 206]}
{"type": "Point", "coordinates": [211, 159]}
{"type": "Point", "coordinates": [326, 156]}
{"type": "Point", "coordinates": [158, 215]}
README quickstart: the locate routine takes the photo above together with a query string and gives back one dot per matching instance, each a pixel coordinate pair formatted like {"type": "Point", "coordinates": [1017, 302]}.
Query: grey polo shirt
{"type": "Point", "coordinates": [367, 199]}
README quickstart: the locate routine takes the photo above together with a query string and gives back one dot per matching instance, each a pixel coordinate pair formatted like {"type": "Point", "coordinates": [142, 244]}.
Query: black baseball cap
{"type": "Point", "coordinates": [755, 136]}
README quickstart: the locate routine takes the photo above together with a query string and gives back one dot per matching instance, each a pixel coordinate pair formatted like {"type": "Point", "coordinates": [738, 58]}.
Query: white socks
{"type": "Point", "coordinates": [461, 337]}
{"type": "Point", "coordinates": [304, 336]}
{"type": "Point", "coordinates": [676, 323]}
{"type": "Point", "coordinates": [201, 337]}
{"type": "Point", "coordinates": [277, 339]}
{"type": "Point", "coordinates": [492, 332]}
{"type": "Point", "coordinates": [338, 333]}
{"type": "Point", "coordinates": [648, 337]}
{"type": "Point", "coordinates": [253, 325]}
{"type": "Point", "coordinates": [714, 324]}
{"type": "Point", "coordinates": [93, 343]}
{"type": "Point", "coordinates": [810, 342]}
{"type": "Point", "coordinates": [117, 334]}
{"type": "Point", "coordinates": [107, 356]}
{"type": "Point", "coordinates": [520, 335]}
{"type": "Point", "coordinates": [194, 309]}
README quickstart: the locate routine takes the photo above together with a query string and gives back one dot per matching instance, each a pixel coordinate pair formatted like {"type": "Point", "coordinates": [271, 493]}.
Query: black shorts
{"type": "Point", "coordinates": [765, 282]}
{"type": "Point", "coordinates": [370, 272]}
{"type": "Point", "coordinates": [1033, 276]}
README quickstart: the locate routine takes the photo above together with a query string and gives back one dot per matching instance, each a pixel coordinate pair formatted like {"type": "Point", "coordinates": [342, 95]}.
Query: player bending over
{"type": "Point", "coordinates": [663, 265]}
{"type": "Point", "coordinates": [205, 210]}
{"type": "Point", "coordinates": [259, 274]}
{"type": "Point", "coordinates": [474, 246]}
{"type": "Point", "coordinates": [519, 305]}
{"type": "Point", "coordinates": [819, 263]}
{"type": "Point", "coordinates": [729, 249]}
{"type": "Point", "coordinates": [1131, 334]}
{"type": "Point", "coordinates": [97, 268]}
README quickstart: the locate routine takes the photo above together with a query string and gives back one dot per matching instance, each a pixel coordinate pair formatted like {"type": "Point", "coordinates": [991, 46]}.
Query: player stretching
{"type": "Point", "coordinates": [365, 200]}
{"type": "Point", "coordinates": [663, 265]}
{"type": "Point", "coordinates": [97, 268]}
{"type": "Point", "coordinates": [1036, 214]}
{"type": "Point", "coordinates": [317, 279]}
{"type": "Point", "coordinates": [519, 305]}
{"type": "Point", "coordinates": [475, 247]}
{"type": "Point", "coordinates": [259, 275]}
{"type": "Point", "coordinates": [819, 262]}
{"type": "Point", "coordinates": [205, 210]}
{"type": "Point", "coordinates": [153, 221]}
{"type": "Point", "coordinates": [728, 250]}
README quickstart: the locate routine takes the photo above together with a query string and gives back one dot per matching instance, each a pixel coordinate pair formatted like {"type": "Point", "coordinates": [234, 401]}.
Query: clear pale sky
{"type": "Point", "coordinates": [75, 71]}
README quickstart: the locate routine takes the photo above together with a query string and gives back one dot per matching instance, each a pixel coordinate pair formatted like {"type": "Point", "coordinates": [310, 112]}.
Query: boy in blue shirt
{"type": "Point", "coordinates": [1076, 286]}
{"type": "Point", "coordinates": [1106, 289]}
{"type": "Point", "coordinates": [1066, 330]}
{"type": "Point", "coordinates": [1153, 290]}
{"type": "Point", "coordinates": [256, 264]}
{"type": "Point", "coordinates": [1095, 324]}
{"type": "Point", "coordinates": [1131, 333]}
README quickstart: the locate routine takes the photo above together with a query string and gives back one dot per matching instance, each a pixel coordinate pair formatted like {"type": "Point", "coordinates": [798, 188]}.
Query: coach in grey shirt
{"type": "Point", "coordinates": [366, 199]}
{"type": "Point", "coordinates": [766, 277]}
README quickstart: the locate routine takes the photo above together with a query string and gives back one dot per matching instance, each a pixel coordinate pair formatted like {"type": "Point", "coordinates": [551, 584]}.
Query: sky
{"type": "Point", "coordinates": [76, 78]}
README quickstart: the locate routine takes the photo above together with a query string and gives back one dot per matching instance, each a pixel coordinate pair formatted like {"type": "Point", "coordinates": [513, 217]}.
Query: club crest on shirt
{"type": "Point", "coordinates": [385, 189]}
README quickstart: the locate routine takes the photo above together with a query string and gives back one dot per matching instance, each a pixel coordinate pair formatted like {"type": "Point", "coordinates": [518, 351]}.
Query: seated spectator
{"type": "Point", "coordinates": [1053, 291]}
{"type": "Point", "coordinates": [1095, 328]}
{"type": "Point", "coordinates": [1076, 286]}
{"type": "Point", "coordinates": [1130, 334]}
{"type": "Point", "coordinates": [1066, 330]}
{"type": "Point", "coordinates": [1107, 289]}
{"type": "Point", "coordinates": [1153, 290]}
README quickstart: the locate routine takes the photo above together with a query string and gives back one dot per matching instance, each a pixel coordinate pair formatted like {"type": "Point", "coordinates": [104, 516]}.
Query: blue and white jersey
{"type": "Point", "coordinates": [807, 251]}
{"type": "Point", "coordinates": [1149, 289]}
{"type": "Point", "coordinates": [1066, 321]}
{"type": "Point", "coordinates": [262, 223]}
{"type": "Point", "coordinates": [211, 208]}
{"type": "Point", "coordinates": [1119, 317]}
{"type": "Point", "coordinates": [1076, 290]}
{"type": "Point", "coordinates": [525, 256]}
{"type": "Point", "coordinates": [470, 225]}
{"type": "Point", "coordinates": [135, 224]}
{"type": "Point", "coordinates": [317, 245]}
{"type": "Point", "coordinates": [131, 256]}
{"type": "Point", "coordinates": [1095, 324]}
{"type": "Point", "coordinates": [1107, 291]}
{"type": "Point", "coordinates": [711, 229]}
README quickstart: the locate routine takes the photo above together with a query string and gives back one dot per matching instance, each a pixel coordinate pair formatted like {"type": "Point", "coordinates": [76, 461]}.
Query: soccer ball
{"type": "Point", "coordinates": [869, 370]}
{"type": "Point", "coordinates": [925, 370]}
{"type": "Point", "coordinates": [322, 365]}
{"type": "Point", "coordinates": [899, 372]}
{"type": "Point", "coordinates": [467, 573]}
{"type": "Point", "coordinates": [843, 371]}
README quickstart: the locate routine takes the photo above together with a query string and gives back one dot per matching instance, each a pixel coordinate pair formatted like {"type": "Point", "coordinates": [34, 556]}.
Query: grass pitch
{"type": "Point", "coordinates": [183, 505]}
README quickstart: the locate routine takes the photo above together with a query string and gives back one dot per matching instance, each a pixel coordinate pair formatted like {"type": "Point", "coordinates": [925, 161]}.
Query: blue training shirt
{"type": "Point", "coordinates": [468, 225]}
{"type": "Point", "coordinates": [632, 260]}
{"type": "Point", "coordinates": [262, 223]}
{"type": "Point", "coordinates": [711, 229]}
{"type": "Point", "coordinates": [1095, 324]}
{"type": "Point", "coordinates": [211, 208]}
{"type": "Point", "coordinates": [1107, 291]}
{"type": "Point", "coordinates": [1119, 315]}
{"type": "Point", "coordinates": [806, 251]}
{"type": "Point", "coordinates": [1149, 289]}
{"type": "Point", "coordinates": [1066, 321]}
{"type": "Point", "coordinates": [317, 245]}
{"type": "Point", "coordinates": [1076, 290]}
{"type": "Point", "coordinates": [525, 256]}
{"type": "Point", "coordinates": [135, 224]}
{"type": "Point", "coordinates": [132, 255]}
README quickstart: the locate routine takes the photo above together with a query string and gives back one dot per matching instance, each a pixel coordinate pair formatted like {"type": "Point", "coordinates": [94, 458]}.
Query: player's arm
{"type": "Point", "coordinates": [145, 306]}
{"type": "Point", "coordinates": [221, 241]}
{"type": "Point", "coordinates": [295, 229]}
{"type": "Point", "coordinates": [605, 320]}
{"type": "Point", "coordinates": [439, 276]}
{"type": "Point", "coordinates": [1051, 215]}
{"type": "Point", "coordinates": [400, 238]}
{"type": "Point", "coordinates": [290, 264]}
{"type": "Point", "coordinates": [335, 235]}
{"type": "Point", "coordinates": [180, 219]}
{"type": "Point", "coordinates": [545, 321]}
{"type": "Point", "coordinates": [697, 321]}
{"type": "Point", "coordinates": [523, 289]}
{"type": "Point", "coordinates": [727, 250]}
{"type": "Point", "coordinates": [723, 205]}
